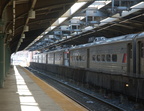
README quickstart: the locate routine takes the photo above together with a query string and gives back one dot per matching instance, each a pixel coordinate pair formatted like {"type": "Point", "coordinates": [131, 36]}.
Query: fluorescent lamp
{"type": "Point", "coordinates": [32, 14]}
{"type": "Point", "coordinates": [23, 36]}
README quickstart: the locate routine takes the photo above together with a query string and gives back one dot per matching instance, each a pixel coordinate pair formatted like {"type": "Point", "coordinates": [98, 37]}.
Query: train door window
{"type": "Point", "coordinates": [114, 57]}
{"type": "Point", "coordinates": [60, 57]}
{"type": "Point", "coordinates": [130, 50]}
{"type": "Point", "coordinates": [83, 58]}
{"type": "Point", "coordinates": [142, 50]}
{"type": "Point", "coordinates": [77, 58]}
{"type": "Point", "coordinates": [103, 57]}
{"type": "Point", "coordinates": [98, 57]}
{"type": "Point", "coordinates": [93, 58]}
{"type": "Point", "coordinates": [80, 58]}
{"type": "Point", "coordinates": [108, 57]}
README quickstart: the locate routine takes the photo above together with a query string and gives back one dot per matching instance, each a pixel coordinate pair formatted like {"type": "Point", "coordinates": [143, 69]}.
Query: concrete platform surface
{"type": "Point", "coordinates": [25, 92]}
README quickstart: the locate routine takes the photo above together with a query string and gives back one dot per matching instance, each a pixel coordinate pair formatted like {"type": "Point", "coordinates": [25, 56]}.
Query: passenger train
{"type": "Point", "coordinates": [121, 58]}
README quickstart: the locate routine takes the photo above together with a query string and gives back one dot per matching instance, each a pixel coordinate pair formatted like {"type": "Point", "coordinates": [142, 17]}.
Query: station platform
{"type": "Point", "coordinates": [25, 92]}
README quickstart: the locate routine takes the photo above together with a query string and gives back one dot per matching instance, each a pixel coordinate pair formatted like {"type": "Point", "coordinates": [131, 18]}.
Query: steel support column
{"type": "Point", "coordinates": [7, 59]}
{"type": "Point", "coordinates": [2, 66]}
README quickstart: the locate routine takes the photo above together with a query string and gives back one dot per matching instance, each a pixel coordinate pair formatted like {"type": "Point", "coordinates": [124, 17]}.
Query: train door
{"type": "Point", "coordinates": [129, 59]}
{"type": "Point", "coordinates": [66, 58]}
{"type": "Point", "coordinates": [140, 57]}
{"type": "Point", "coordinates": [46, 58]}
{"type": "Point", "coordinates": [88, 58]}
{"type": "Point", "coordinates": [53, 58]}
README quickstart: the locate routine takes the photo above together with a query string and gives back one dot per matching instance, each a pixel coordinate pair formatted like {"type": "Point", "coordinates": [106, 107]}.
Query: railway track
{"type": "Point", "coordinates": [84, 98]}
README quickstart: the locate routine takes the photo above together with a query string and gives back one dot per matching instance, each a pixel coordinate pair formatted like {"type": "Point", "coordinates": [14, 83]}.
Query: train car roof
{"type": "Point", "coordinates": [58, 50]}
{"type": "Point", "coordinates": [118, 39]}
{"type": "Point", "coordinates": [140, 35]}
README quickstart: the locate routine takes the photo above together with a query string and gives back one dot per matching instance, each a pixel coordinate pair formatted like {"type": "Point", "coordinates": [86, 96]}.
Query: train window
{"type": "Point", "coordinates": [103, 57]}
{"type": "Point", "coordinates": [114, 58]}
{"type": "Point", "coordinates": [93, 58]}
{"type": "Point", "coordinates": [80, 58]}
{"type": "Point", "coordinates": [98, 57]}
{"type": "Point", "coordinates": [108, 57]}
{"type": "Point", "coordinates": [142, 50]}
{"type": "Point", "coordinates": [60, 56]}
{"type": "Point", "coordinates": [77, 58]}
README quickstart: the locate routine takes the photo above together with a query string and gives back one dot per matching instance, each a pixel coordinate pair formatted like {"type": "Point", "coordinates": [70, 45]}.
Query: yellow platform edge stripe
{"type": "Point", "coordinates": [63, 101]}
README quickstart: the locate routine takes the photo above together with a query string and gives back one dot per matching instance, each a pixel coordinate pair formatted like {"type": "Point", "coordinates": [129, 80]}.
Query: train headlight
{"type": "Point", "coordinates": [127, 85]}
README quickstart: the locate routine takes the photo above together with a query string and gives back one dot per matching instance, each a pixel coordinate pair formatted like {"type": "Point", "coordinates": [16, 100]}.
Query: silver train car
{"type": "Point", "coordinates": [58, 57]}
{"type": "Point", "coordinates": [114, 56]}
{"type": "Point", "coordinates": [118, 61]}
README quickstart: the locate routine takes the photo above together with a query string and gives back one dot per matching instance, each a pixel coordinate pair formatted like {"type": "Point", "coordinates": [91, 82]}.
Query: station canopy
{"type": "Point", "coordinates": [44, 24]}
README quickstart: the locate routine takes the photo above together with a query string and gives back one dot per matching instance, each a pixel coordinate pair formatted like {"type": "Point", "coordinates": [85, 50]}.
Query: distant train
{"type": "Point", "coordinates": [119, 56]}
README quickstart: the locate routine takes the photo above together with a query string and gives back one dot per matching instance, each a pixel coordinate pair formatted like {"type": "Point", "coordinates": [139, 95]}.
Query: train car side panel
{"type": "Point", "coordinates": [51, 58]}
{"type": "Point", "coordinates": [44, 58]}
{"type": "Point", "coordinates": [59, 57]}
{"type": "Point", "coordinates": [140, 57]}
{"type": "Point", "coordinates": [109, 58]}
{"type": "Point", "coordinates": [78, 58]}
{"type": "Point", "coordinates": [66, 57]}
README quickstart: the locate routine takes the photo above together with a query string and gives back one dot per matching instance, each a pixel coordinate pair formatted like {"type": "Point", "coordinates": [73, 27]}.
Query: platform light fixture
{"type": "Point", "coordinates": [26, 28]}
{"type": "Point", "coordinates": [31, 14]}
{"type": "Point", "coordinates": [23, 36]}
{"type": "Point", "coordinates": [21, 40]}
{"type": "Point", "coordinates": [127, 85]}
